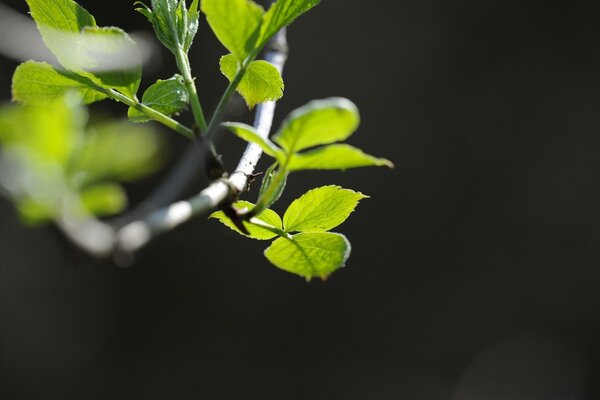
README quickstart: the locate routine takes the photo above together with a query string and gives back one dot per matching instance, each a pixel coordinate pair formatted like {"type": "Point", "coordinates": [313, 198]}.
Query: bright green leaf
{"type": "Point", "coordinates": [48, 133]}
{"type": "Point", "coordinates": [235, 23]}
{"type": "Point", "coordinates": [192, 25]}
{"type": "Point", "coordinates": [109, 58]}
{"type": "Point", "coordinates": [268, 216]}
{"type": "Point", "coordinates": [104, 199]}
{"type": "Point", "coordinates": [318, 122]}
{"type": "Point", "coordinates": [281, 14]}
{"type": "Point", "coordinates": [261, 82]}
{"type": "Point", "coordinates": [167, 96]}
{"type": "Point", "coordinates": [310, 255]}
{"type": "Point", "coordinates": [118, 151]}
{"type": "Point", "coordinates": [60, 22]}
{"type": "Point", "coordinates": [272, 185]}
{"type": "Point", "coordinates": [335, 156]}
{"type": "Point", "coordinates": [37, 83]}
{"type": "Point", "coordinates": [249, 134]}
{"type": "Point", "coordinates": [321, 209]}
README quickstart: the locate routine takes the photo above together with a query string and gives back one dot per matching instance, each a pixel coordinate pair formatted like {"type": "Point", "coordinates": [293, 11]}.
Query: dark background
{"type": "Point", "coordinates": [475, 267]}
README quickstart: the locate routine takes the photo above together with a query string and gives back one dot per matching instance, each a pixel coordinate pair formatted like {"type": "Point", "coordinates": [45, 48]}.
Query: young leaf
{"type": "Point", "coordinates": [60, 22]}
{"type": "Point", "coordinates": [318, 122]}
{"type": "Point", "coordinates": [271, 188]}
{"type": "Point", "coordinates": [281, 14]}
{"type": "Point", "coordinates": [261, 82]}
{"type": "Point", "coordinates": [249, 134]}
{"type": "Point", "coordinates": [110, 58]}
{"type": "Point", "coordinates": [37, 83]}
{"type": "Point", "coordinates": [104, 199]}
{"type": "Point", "coordinates": [315, 254]}
{"type": "Point", "coordinates": [268, 216]}
{"type": "Point", "coordinates": [192, 25]}
{"type": "Point", "coordinates": [167, 96]}
{"type": "Point", "coordinates": [118, 151]}
{"type": "Point", "coordinates": [235, 23]}
{"type": "Point", "coordinates": [321, 209]}
{"type": "Point", "coordinates": [335, 156]}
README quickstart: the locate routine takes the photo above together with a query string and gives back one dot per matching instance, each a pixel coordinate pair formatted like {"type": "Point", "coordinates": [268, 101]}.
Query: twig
{"type": "Point", "coordinates": [101, 239]}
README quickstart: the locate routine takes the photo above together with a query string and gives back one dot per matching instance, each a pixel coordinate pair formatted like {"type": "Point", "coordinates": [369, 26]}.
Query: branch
{"type": "Point", "coordinates": [101, 239]}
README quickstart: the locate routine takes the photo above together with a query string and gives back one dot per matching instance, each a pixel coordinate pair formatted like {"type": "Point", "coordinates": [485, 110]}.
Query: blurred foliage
{"type": "Point", "coordinates": [52, 165]}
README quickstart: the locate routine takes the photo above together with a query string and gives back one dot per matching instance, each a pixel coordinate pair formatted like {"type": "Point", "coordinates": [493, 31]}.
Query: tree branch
{"type": "Point", "coordinates": [100, 239]}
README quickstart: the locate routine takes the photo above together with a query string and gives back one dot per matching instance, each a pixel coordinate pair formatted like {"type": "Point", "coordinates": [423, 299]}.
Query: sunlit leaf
{"type": "Point", "coordinates": [318, 122]}
{"type": "Point", "coordinates": [167, 96]}
{"type": "Point", "coordinates": [104, 199]}
{"type": "Point", "coordinates": [261, 82]}
{"type": "Point", "coordinates": [268, 216]}
{"type": "Point", "coordinates": [39, 83]}
{"type": "Point", "coordinates": [236, 24]}
{"type": "Point", "coordinates": [321, 209]}
{"type": "Point", "coordinates": [310, 255]}
{"type": "Point", "coordinates": [281, 14]}
{"type": "Point", "coordinates": [335, 156]}
{"type": "Point", "coordinates": [249, 134]}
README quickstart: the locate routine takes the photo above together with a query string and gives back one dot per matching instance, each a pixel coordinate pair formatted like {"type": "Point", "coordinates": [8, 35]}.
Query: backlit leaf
{"type": "Point", "coordinates": [321, 209]}
{"type": "Point", "coordinates": [37, 83]}
{"type": "Point", "coordinates": [318, 122]}
{"type": "Point", "coordinates": [335, 156]}
{"type": "Point", "coordinates": [167, 96]}
{"type": "Point", "coordinates": [268, 216]}
{"type": "Point", "coordinates": [261, 82]}
{"type": "Point", "coordinates": [310, 255]}
{"type": "Point", "coordinates": [236, 24]}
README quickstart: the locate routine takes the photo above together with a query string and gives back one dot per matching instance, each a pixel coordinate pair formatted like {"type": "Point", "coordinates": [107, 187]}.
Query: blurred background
{"type": "Point", "coordinates": [475, 264]}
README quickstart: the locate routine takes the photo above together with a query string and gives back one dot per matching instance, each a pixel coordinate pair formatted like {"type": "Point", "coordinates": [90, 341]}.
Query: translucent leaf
{"type": "Point", "coordinates": [321, 209]}
{"type": "Point", "coordinates": [60, 22]}
{"type": "Point", "coordinates": [110, 58]}
{"type": "Point", "coordinates": [249, 134]}
{"type": "Point", "coordinates": [272, 188]}
{"type": "Point", "coordinates": [167, 96]}
{"type": "Point", "coordinates": [235, 23]}
{"type": "Point", "coordinates": [318, 122]}
{"type": "Point", "coordinates": [315, 254]}
{"type": "Point", "coordinates": [104, 199]}
{"type": "Point", "coordinates": [261, 82]}
{"type": "Point", "coordinates": [335, 156]}
{"type": "Point", "coordinates": [281, 14]}
{"type": "Point", "coordinates": [38, 83]}
{"type": "Point", "coordinates": [105, 55]}
{"type": "Point", "coordinates": [117, 151]}
{"type": "Point", "coordinates": [268, 216]}
{"type": "Point", "coordinates": [47, 133]}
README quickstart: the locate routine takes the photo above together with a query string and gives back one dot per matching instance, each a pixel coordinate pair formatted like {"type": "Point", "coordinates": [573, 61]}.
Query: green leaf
{"type": "Point", "coordinates": [47, 133]}
{"type": "Point", "coordinates": [316, 254]}
{"type": "Point", "coordinates": [192, 25]}
{"type": "Point", "coordinates": [37, 83]}
{"type": "Point", "coordinates": [335, 156]}
{"type": "Point", "coordinates": [272, 187]}
{"type": "Point", "coordinates": [321, 209]}
{"type": "Point", "coordinates": [119, 151]}
{"type": "Point", "coordinates": [60, 22]}
{"type": "Point", "coordinates": [268, 216]}
{"type": "Point", "coordinates": [110, 59]}
{"type": "Point", "coordinates": [249, 134]}
{"type": "Point", "coordinates": [104, 199]}
{"type": "Point", "coordinates": [281, 14]}
{"type": "Point", "coordinates": [318, 122]}
{"type": "Point", "coordinates": [261, 82]}
{"type": "Point", "coordinates": [167, 96]}
{"type": "Point", "coordinates": [236, 24]}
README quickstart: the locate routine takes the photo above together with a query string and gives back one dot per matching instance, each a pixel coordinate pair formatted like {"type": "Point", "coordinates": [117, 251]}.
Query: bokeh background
{"type": "Point", "coordinates": [475, 264]}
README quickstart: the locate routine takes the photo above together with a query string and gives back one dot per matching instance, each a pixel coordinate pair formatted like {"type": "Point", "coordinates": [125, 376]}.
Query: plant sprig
{"type": "Point", "coordinates": [98, 63]}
